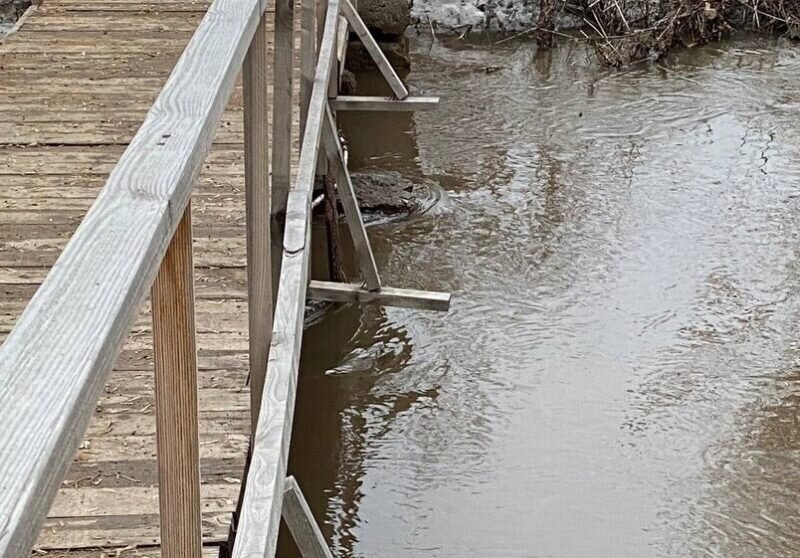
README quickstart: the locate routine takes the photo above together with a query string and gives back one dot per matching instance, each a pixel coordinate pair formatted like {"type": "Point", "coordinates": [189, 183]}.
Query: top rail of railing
{"type": "Point", "coordinates": [54, 363]}
{"type": "Point", "coordinates": [257, 532]}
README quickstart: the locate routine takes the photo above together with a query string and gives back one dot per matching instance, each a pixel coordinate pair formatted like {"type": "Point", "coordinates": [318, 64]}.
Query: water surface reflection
{"type": "Point", "coordinates": [619, 373]}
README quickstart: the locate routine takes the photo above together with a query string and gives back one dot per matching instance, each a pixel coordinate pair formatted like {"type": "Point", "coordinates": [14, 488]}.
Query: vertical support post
{"type": "Point", "coordinates": [259, 259]}
{"type": "Point", "coordinates": [335, 268]}
{"type": "Point", "coordinates": [257, 194]}
{"type": "Point", "coordinates": [308, 57]}
{"type": "Point", "coordinates": [374, 50]}
{"type": "Point", "coordinates": [333, 81]}
{"type": "Point", "coordinates": [282, 103]}
{"type": "Point", "coordinates": [322, 13]}
{"type": "Point", "coordinates": [176, 397]}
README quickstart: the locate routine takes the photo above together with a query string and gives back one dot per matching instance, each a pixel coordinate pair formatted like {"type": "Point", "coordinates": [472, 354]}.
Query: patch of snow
{"type": "Point", "coordinates": [482, 14]}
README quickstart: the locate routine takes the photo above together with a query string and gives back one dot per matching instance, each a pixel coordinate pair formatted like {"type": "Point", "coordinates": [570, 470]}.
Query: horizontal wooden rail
{"type": "Point", "coordinates": [367, 103]}
{"type": "Point", "coordinates": [387, 296]}
{"type": "Point", "coordinates": [55, 362]}
{"type": "Point", "coordinates": [257, 532]}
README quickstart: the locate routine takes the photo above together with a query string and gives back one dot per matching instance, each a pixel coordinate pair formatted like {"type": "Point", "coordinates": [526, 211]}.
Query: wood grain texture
{"type": "Point", "coordinates": [336, 158]}
{"type": "Point", "coordinates": [387, 296]}
{"type": "Point", "coordinates": [386, 104]}
{"type": "Point", "coordinates": [54, 363]}
{"type": "Point", "coordinates": [341, 54]}
{"type": "Point", "coordinates": [282, 103]}
{"type": "Point", "coordinates": [298, 517]}
{"type": "Point", "coordinates": [334, 243]}
{"type": "Point", "coordinates": [374, 50]}
{"type": "Point", "coordinates": [322, 11]}
{"type": "Point", "coordinates": [177, 435]}
{"type": "Point", "coordinates": [336, 69]}
{"type": "Point", "coordinates": [258, 202]}
{"type": "Point", "coordinates": [261, 509]}
{"type": "Point", "coordinates": [308, 56]}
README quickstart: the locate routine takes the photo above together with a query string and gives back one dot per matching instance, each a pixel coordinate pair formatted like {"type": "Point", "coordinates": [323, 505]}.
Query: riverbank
{"type": "Point", "coordinates": [621, 32]}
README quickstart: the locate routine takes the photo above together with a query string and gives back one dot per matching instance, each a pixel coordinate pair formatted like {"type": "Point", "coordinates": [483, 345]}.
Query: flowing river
{"type": "Point", "coordinates": [619, 375]}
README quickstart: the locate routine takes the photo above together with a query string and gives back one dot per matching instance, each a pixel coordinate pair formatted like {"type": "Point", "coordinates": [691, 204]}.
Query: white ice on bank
{"type": "Point", "coordinates": [482, 14]}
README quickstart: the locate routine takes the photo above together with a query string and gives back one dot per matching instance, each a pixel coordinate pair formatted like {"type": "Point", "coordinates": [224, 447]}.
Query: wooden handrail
{"type": "Point", "coordinates": [54, 363]}
{"type": "Point", "coordinates": [257, 532]}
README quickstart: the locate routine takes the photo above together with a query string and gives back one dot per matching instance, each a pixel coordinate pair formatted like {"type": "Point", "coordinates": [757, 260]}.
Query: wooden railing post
{"type": "Point", "coordinates": [257, 532]}
{"type": "Point", "coordinates": [257, 193]}
{"type": "Point", "coordinates": [308, 57]}
{"type": "Point", "coordinates": [282, 103]}
{"type": "Point", "coordinates": [322, 13]}
{"type": "Point", "coordinates": [175, 358]}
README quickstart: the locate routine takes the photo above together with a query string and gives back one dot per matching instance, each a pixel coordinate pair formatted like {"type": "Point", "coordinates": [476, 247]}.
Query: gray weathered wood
{"type": "Point", "coordinates": [282, 104]}
{"type": "Point", "coordinates": [334, 244]}
{"type": "Point", "coordinates": [336, 67]}
{"type": "Point", "coordinates": [374, 50]}
{"type": "Point", "coordinates": [308, 57]}
{"type": "Point", "coordinates": [261, 508]}
{"type": "Point", "coordinates": [177, 435]}
{"type": "Point", "coordinates": [257, 193]}
{"type": "Point", "coordinates": [389, 104]}
{"type": "Point", "coordinates": [387, 296]}
{"type": "Point", "coordinates": [322, 12]}
{"type": "Point", "coordinates": [53, 365]}
{"type": "Point", "coordinates": [336, 158]}
{"type": "Point", "coordinates": [341, 50]}
{"type": "Point", "coordinates": [298, 517]}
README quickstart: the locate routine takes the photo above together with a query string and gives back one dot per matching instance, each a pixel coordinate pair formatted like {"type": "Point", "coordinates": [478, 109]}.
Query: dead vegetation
{"type": "Point", "coordinates": [622, 32]}
{"type": "Point", "coordinates": [625, 31]}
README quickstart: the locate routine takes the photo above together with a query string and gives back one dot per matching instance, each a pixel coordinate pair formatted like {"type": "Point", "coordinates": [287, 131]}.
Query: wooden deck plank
{"type": "Point", "coordinates": [85, 73]}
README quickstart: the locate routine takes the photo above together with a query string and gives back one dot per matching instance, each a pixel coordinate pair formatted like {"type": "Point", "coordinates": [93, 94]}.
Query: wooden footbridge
{"type": "Point", "coordinates": [134, 161]}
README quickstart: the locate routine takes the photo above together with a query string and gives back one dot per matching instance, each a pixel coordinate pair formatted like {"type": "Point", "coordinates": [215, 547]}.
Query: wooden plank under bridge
{"type": "Point", "coordinates": [153, 148]}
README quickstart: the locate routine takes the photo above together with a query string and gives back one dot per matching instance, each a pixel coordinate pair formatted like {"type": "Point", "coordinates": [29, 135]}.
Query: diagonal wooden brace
{"type": "Point", "coordinates": [301, 523]}
{"type": "Point", "coordinates": [374, 50]}
{"type": "Point", "coordinates": [335, 153]}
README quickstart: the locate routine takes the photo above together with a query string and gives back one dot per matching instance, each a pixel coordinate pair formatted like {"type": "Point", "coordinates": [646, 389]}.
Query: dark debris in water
{"type": "Point", "coordinates": [388, 196]}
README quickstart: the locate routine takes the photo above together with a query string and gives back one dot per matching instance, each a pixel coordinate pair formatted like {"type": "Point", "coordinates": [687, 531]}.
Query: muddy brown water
{"type": "Point", "coordinates": [619, 375]}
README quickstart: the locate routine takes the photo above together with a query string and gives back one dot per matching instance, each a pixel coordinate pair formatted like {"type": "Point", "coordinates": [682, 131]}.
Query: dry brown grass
{"type": "Point", "coordinates": [627, 31]}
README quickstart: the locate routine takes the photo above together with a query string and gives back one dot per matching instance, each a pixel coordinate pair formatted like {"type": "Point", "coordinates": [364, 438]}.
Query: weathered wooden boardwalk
{"type": "Point", "coordinates": [76, 82]}
{"type": "Point", "coordinates": [132, 162]}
